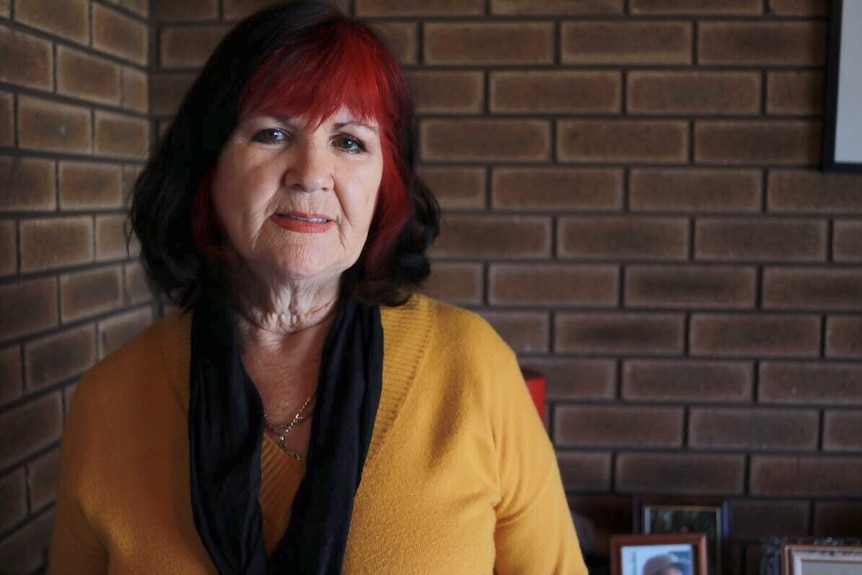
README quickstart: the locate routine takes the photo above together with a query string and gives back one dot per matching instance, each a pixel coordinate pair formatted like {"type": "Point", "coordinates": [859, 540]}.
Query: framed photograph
{"type": "Point", "coordinates": [842, 147]}
{"type": "Point", "coordinates": [708, 516]}
{"type": "Point", "coordinates": [821, 559]}
{"type": "Point", "coordinates": [668, 554]}
{"type": "Point", "coordinates": [776, 551]}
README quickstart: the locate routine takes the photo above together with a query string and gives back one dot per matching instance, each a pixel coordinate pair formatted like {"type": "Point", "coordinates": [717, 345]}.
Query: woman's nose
{"type": "Point", "coordinates": [310, 167]}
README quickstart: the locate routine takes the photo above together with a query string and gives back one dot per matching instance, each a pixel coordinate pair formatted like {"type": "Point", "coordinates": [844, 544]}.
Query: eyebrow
{"type": "Point", "coordinates": [340, 125]}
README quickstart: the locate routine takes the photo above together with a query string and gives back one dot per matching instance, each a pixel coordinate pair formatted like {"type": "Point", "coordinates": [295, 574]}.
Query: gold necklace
{"type": "Point", "coordinates": [282, 429]}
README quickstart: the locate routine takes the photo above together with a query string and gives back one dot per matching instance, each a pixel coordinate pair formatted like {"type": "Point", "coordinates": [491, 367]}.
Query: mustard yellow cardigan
{"type": "Point", "coordinates": [460, 476]}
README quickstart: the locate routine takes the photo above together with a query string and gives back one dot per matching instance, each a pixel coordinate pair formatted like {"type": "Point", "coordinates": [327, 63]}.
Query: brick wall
{"type": "Point", "coordinates": [632, 198]}
{"type": "Point", "coordinates": [74, 129]}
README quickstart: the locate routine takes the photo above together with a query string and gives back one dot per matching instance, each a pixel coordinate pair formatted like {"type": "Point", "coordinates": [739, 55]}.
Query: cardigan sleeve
{"type": "Point", "coordinates": [75, 546]}
{"type": "Point", "coordinates": [535, 532]}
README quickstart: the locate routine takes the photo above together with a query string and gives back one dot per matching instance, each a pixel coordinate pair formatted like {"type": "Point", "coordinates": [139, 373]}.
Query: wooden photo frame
{"type": "Point", "coordinates": [842, 147]}
{"type": "Point", "coordinates": [661, 514]}
{"type": "Point", "coordinates": [648, 554]}
{"type": "Point", "coordinates": [801, 559]}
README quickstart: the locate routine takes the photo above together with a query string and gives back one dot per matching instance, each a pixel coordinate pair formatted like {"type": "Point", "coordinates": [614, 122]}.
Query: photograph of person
{"type": "Point", "coordinates": [656, 560]}
{"type": "Point", "coordinates": [303, 409]}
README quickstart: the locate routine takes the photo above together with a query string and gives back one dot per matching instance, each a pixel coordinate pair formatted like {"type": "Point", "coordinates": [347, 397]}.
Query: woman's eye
{"type": "Point", "coordinates": [349, 144]}
{"type": "Point", "coordinates": [269, 135]}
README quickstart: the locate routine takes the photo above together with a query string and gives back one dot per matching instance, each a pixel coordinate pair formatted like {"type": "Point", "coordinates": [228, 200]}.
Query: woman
{"type": "Point", "coordinates": [304, 412]}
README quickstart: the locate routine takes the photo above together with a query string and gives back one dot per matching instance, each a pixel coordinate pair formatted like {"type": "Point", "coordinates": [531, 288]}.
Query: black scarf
{"type": "Point", "coordinates": [225, 436]}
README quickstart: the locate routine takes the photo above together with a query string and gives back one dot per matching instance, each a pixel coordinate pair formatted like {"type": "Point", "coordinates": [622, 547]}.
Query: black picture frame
{"type": "Point", "coordinates": [842, 152]}
{"type": "Point", "coordinates": [659, 514]}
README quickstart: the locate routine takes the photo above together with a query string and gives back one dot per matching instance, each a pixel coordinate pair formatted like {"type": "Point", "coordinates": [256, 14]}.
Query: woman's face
{"type": "Point", "coordinates": [296, 199]}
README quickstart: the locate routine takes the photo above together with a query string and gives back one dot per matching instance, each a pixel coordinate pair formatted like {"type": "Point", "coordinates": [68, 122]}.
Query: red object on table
{"type": "Point", "coordinates": [536, 383]}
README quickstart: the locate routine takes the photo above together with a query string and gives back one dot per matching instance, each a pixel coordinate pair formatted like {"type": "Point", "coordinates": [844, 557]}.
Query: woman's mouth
{"type": "Point", "coordinates": [303, 223]}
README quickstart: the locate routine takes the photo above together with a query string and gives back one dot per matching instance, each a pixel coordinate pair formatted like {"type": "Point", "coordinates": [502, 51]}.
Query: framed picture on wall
{"type": "Point", "coordinates": [842, 146]}
{"type": "Point", "coordinates": [797, 559]}
{"type": "Point", "coordinates": [658, 514]}
{"type": "Point", "coordinates": [669, 554]}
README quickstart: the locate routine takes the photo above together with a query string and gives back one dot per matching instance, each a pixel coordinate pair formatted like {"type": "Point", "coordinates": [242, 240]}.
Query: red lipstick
{"type": "Point", "coordinates": [303, 223]}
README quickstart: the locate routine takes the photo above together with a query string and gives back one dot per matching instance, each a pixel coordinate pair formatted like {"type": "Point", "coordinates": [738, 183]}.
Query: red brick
{"type": "Point", "coordinates": [485, 140]}
{"type": "Point", "coordinates": [489, 44]}
{"type": "Point", "coordinates": [448, 92]}
{"type": "Point", "coordinates": [7, 120]}
{"type": "Point", "coordinates": [455, 283]}
{"type": "Point", "coordinates": [576, 378]}
{"type": "Point", "coordinates": [842, 431]}
{"type": "Point", "coordinates": [690, 286]}
{"type": "Point", "coordinates": [699, 7]}
{"type": "Point", "coordinates": [370, 8]}
{"type": "Point", "coordinates": [494, 236]}
{"type": "Point", "coordinates": [753, 429]}
{"type": "Point", "coordinates": [686, 191]}
{"type": "Point", "coordinates": [8, 248]}
{"type": "Point", "coordinates": [402, 38]}
{"type": "Point", "coordinates": [5, 8]}
{"type": "Point", "coordinates": [622, 141]}
{"type": "Point", "coordinates": [605, 426]}
{"type": "Point", "coordinates": [166, 91]}
{"type": "Point", "coordinates": [847, 241]}
{"type": "Point", "coordinates": [26, 184]}
{"type": "Point", "coordinates": [761, 43]}
{"type": "Point", "coordinates": [755, 335]}
{"type": "Point", "coordinates": [13, 499]}
{"type": "Point", "coordinates": [89, 293]}
{"type": "Point", "coordinates": [136, 289]}
{"type": "Point", "coordinates": [759, 240]}
{"type": "Point", "coordinates": [42, 475]}
{"type": "Point", "coordinates": [52, 243]}
{"type": "Point", "coordinates": [85, 185]}
{"type": "Point", "coordinates": [799, 7]}
{"type": "Point", "coordinates": [545, 285]}
{"type": "Point", "coordinates": [787, 142]}
{"type": "Point", "coordinates": [556, 7]}
{"type": "Point", "coordinates": [49, 126]}
{"type": "Point", "coordinates": [810, 383]}
{"type": "Point", "coordinates": [812, 191]}
{"type": "Point", "coordinates": [134, 89]}
{"type": "Point", "coordinates": [26, 61]}
{"type": "Point", "coordinates": [679, 93]}
{"type": "Point", "coordinates": [118, 329]}
{"type": "Point", "coordinates": [27, 307]}
{"type": "Point", "coordinates": [585, 471]}
{"type": "Point", "coordinates": [687, 381]}
{"type": "Point", "coordinates": [11, 376]}
{"type": "Point", "coordinates": [619, 333]}
{"type": "Point", "coordinates": [59, 356]}
{"type": "Point", "coordinates": [805, 476]}
{"type": "Point", "coordinates": [619, 42]}
{"type": "Point", "coordinates": [754, 519]}
{"type": "Point", "coordinates": [87, 77]}
{"type": "Point", "coordinates": [549, 92]}
{"type": "Point", "coordinates": [121, 136]}
{"type": "Point", "coordinates": [236, 9]}
{"type": "Point", "coordinates": [34, 425]}
{"type": "Point", "coordinates": [130, 176]}
{"type": "Point", "coordinates": [525, 332]}
{"type": "Point", "coordinates": [837, 518]}
{"type": "Point", "coordinates": [795, 93]}
{"type": "Point", "coordinates": [25, 550]}
{"type": "Point", "coordinates": [69, 19]}
{"type": "Point", "coordinates": [623, 238]}
{"type": "Point", "coordinates": [456, 188]}
{"type": "Point", "coordinates": [141, 7]}
{"type": "Point", "coordinates": [812, 288]}
{"type": "Point", "coordinates": [111, 238]}
{"type": "Point", "coordinates": [579, 189]}
{"type": "Point", "coordinates": [678, 473]}
{"type": "Point", "coordinates": [120, 35]}
{"type": "Point", "coordinates": [188, 46]}
{"type": "Point", "coordinates": [185, 10]}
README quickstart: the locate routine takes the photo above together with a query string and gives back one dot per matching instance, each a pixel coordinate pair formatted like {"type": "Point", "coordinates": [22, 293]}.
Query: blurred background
{"type": "Point", "coordinates": [632, 195]}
